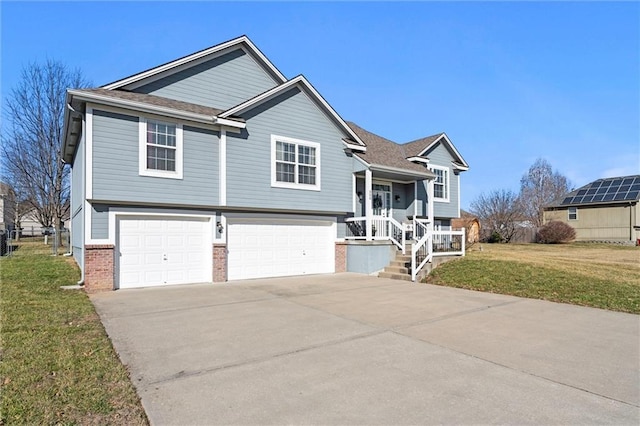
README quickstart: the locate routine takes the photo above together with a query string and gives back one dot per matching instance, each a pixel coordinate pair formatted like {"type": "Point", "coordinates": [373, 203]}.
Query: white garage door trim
{"type": "Point", "coordinates": [264, 248]}
{"type": "Point", "coordinates": [158, 250]}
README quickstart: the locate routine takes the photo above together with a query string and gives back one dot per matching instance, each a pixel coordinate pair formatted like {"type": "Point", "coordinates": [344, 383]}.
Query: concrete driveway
{"type": "Point", "coordinates": [353, 349]}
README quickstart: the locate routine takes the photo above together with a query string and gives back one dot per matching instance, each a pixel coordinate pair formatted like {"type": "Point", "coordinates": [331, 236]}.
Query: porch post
{"type": "Point", "coordinates": [367, 204]}
{"type": "Point", "coordinates": [430, 213]}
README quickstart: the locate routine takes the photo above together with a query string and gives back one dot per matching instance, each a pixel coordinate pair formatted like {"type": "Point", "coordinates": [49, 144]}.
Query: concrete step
{"type": "Point", "coordinates": [403, 258]}
{"type": "Point", "coordinates": [397, 269]}
{"type": "Point", "coordinates": [400, 264]}
{"type": "Point", "coordinates": [394, 276]}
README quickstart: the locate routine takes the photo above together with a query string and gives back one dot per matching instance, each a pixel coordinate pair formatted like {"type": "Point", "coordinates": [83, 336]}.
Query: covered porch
{"type": "Point", "coordinates": [396, 205]}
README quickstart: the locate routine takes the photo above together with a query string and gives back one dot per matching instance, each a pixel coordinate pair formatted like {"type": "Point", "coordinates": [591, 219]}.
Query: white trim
{"type": "Point", "coordinates": [114, 212]}
{"type": "Point", "coordinates": [88, 217]}
{"type": "Point", "coordinates": [415, 198]}
{"type": "Point", "coordinates": [418, 160]}
{"type": "Point", "coordinates": [142, 151]}
{"type": "Point", "coordinates": [353, 193]}
{"type": "Point", "coordinates": [88, 153]}
{"type": "Point", "coordinates": [194, 57]}
{"type": "Point", "coordinates": [223, 167]}
{"type": "Point", "coordinates": [297, 142]}
{"type": "Point", "coordinates": [459, 167]}
{"type": "Point", "coordinates": [458, 196]}
{"type": "Point", "coordinates": [283, 87]}
{"type": "Point", "coordinates": [569, 213]}
{"type": "Point", "coordinates": [447, 183]}
{"type": "Point", "coordinates": [354, 147]}
{"type": "Point", "coordinates": [229, 123]}
{"type": "Point", "coordinates": [388, 183]}
{"type": "Point", "coordinates": [367, 197]}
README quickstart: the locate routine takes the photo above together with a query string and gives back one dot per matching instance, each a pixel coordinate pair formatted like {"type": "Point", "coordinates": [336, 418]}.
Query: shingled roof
{"type": "Point", "coordinates": [154, 100]}
{"type": "Point", "coordinates": [383, 152]}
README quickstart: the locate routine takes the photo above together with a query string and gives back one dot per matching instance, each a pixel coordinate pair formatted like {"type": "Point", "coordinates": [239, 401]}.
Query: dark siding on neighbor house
{"type": "Point", "coordinates": [292, 114]}
{"type": "Point", "coordinates": [116, 171]}
{"type": "Point", "coordinates": [222, 82]}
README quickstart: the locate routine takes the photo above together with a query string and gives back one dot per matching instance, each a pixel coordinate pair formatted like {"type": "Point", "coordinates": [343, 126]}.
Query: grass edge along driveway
{"type": "Point", "coordinates": [58, 365]}
{"type": "Point", "coordinates": [595, 275]}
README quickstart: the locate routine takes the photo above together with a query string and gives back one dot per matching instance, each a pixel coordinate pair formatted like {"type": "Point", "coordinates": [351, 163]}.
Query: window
{"type": "Point", "coordinates": [441, 183]}
{"type": "Point", "coordinates": [160, 149]}
{"type": "Point", "coordinates": [295, 163]}
{"type": "Point", "coordinates": [573, 213]}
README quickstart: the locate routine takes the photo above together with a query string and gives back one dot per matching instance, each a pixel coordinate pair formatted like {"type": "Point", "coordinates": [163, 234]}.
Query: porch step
{"type": "Point", "coordinates": [400, 267]}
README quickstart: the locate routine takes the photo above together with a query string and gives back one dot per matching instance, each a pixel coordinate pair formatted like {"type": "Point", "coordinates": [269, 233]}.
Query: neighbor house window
{"type": "Point", "coordinates": [573, 213]}
{"type": "Point", "coordinates": [441, 183]}
{"type": "Point", "coordinates": [160, 149]}
{"type": "Point", "coordinates": [295, 163]}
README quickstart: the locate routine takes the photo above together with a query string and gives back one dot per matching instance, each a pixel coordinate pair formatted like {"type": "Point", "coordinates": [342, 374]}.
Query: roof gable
{"type": "Point", "coordinates": [303, 84]}
{"type": "Point", "coordinates": [180, 64]}
{"type": "Point", "coordinates": [423, 146]}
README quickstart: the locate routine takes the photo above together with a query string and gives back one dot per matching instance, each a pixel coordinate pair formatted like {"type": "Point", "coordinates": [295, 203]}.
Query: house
{"type": "Point", "coordinates": [7, 207]}
{"type": "Point", "coordinates": [470, 223]}
{"type": "Point", "coordinates": [603, 210]}
{"type": "Point", "coordinates": [217, 167]}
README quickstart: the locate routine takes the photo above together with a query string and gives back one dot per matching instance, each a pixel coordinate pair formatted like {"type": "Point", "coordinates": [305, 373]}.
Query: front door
{"type": "Point", "coordinates": [381, 202]}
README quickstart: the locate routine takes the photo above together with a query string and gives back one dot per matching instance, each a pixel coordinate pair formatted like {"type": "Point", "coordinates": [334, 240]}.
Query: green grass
{"type": "Point", "coordinates": [599, 276]}
{"type": "Point", "coordinates": [58, 365]}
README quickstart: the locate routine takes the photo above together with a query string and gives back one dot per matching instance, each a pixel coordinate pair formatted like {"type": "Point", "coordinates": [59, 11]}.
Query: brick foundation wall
{"type": "Point", "coordinates": [341, 257]}
{"type": "Point", "coordinates": [98, 268]}
{"type": "Point", "coordinates": [219, 263]}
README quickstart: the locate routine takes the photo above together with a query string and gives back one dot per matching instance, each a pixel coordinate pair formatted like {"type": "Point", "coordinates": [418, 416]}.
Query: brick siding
{"type": "Point", "coordinates": [98, 268]}
{"type": "Point", "coordinates": [341, 257]}
{"type": "Point", "coordinates": [219, 263]}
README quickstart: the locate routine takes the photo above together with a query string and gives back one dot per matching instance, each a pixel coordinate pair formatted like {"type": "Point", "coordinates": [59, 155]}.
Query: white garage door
{"type": "Point", "coordinates": [163, 251]}
{"type": "Point", "coordinates": [261, 250]}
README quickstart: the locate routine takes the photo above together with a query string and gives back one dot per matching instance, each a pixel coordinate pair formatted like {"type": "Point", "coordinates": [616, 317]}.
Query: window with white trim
{"type": "Point", "coordinates": [160, 149]}
{"type": "Point", "coordinates": [295, 163]}
{"type": "Point", "coordinates": [440, 183]}
{"type": "Point", "coordinates": [573, 213]}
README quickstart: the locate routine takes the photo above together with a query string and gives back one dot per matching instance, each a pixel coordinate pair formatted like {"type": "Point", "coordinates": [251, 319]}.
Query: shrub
{"type": "Point", "coordinates": [495, 237]}
{"type": "Point", "coordinates": [555, 232]}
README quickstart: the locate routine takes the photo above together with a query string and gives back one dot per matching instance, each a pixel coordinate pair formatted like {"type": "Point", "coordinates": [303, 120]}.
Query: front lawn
{"type": "Point", "coordinates": [596, 275]}
{"type": "Point", "coordinates": [58, 365]}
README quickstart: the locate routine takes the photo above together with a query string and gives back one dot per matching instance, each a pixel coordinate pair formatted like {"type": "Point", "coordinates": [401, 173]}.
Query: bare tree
{"type": "Point", "coordinates": [499, 212]}
{"type": "Point", "coordinates": [538, 187]}
{"type": "Point", "coordinates": [31, 159]}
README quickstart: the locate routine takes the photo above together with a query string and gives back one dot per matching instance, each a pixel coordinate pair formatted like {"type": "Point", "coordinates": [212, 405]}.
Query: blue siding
{"type": "Point", "coordinates": [367, 258]}
{"type": "Point", "coordinates": [223, 82]}
{"type": "Point", "coordinates": [99, 221]}
{"type": "Point", "coordinates": [292, 114]}
{"type": "Point", "coordinates": [440, 156]}
{"type": "Point", "coordinates": [116, 171]}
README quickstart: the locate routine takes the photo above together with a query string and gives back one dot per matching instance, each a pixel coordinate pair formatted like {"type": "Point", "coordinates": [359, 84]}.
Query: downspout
{"type": "Point", "coordinates": [81, 282]}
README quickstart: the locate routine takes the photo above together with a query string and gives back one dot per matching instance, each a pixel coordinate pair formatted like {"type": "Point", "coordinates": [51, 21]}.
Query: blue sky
{"type": "Point", "coordinates": [507, 81]}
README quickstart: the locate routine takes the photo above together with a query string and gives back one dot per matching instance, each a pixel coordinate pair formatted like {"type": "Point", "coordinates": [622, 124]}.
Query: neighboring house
{"type": "Point", "coordinates": [7, 207]}
{"type": "Point", "coordinates": [603, 210]}
{"type": "Point", "coordinates": [216, 167]}
{"type": "Point", "coordinates": [470, 223]}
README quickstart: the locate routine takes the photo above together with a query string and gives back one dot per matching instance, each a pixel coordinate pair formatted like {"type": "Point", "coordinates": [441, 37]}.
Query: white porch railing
{"type": "Point", "coordinates": [422, 249]}
{"type": "Point", "coordinates": [427, 243]}
{"type": "Point", "coordinates": [382, 228]}
{"type": "Point", "coordinates": [449, 243]}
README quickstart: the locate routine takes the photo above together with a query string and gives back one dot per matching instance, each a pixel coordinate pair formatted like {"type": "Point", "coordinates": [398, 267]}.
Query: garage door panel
{"type": "Point", "coordinates": [163, 251]}
{"type": "Point", "coordinates": [258, 250]}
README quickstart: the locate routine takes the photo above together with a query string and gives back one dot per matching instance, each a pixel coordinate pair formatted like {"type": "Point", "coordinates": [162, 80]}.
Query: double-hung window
{"type": "Point", "coordinates": [160, 149]}
{"type": "Point", "coordinates": [441, 183]}
{"type": "Point", "coordinates": [573, 213]}
{"type": "Point", "coordinates": [295, 163]}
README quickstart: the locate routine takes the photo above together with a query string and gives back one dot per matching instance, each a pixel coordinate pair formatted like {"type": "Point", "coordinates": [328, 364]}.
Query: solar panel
{"type": "Point", "coordinates": [625, 188]}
